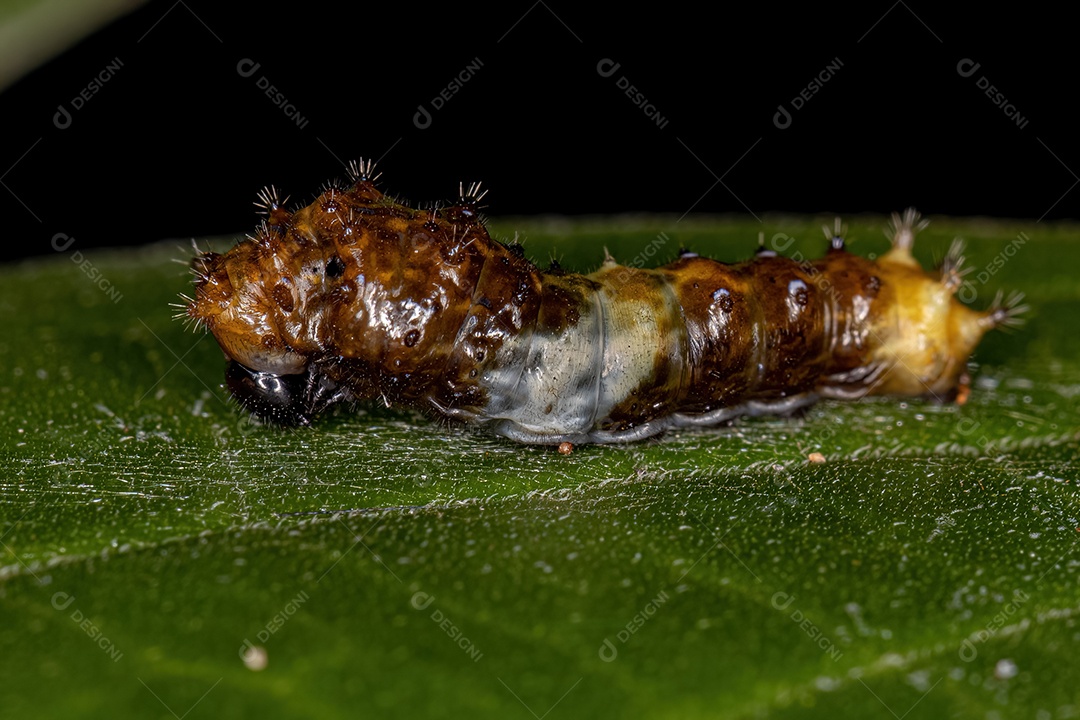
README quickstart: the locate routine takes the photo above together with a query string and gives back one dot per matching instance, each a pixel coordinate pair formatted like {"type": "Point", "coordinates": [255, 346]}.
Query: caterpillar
{"type": "Point", "coordinates": [359, 297]}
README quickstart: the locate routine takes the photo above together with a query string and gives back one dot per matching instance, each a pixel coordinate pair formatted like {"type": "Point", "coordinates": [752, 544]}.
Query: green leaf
{"type": "Point", "coordinates": [381, 564]}
{"type": "Point", "coordinates": [32, 32]}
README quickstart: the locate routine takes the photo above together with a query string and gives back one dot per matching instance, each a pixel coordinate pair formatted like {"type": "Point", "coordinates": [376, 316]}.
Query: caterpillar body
{"type": "Point", "coordinates": [358, 297]}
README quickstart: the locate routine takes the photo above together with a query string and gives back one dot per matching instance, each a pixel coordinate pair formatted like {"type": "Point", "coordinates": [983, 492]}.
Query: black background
{"type": "Point", "coordinates": [177, 142]}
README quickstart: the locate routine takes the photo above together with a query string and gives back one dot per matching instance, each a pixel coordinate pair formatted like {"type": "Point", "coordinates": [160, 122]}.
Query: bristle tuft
{"type": "Point", "coordinates": [362, 171]}
{"type": "Point", "coordinates": [953, 269]}
{"type": "Point", "coordinates": [901, 231]}
{"type": "Point", "coordinates": [473, 195]}
{"type": "Point", "coordinates": [1005, 312]}
{"type": "Point", "coordinates": [835, 236]}
{"type": "Point", "coordinates": [268, 200]}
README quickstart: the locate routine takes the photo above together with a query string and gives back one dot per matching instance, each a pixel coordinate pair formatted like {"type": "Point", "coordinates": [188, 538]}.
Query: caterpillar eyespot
{"type": "Point", "coordinates": [358, 297]}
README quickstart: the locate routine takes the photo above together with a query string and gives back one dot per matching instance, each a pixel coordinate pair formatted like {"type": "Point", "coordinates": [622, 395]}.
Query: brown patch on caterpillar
{"type": "Point", "coordinates": [357, 296]}
{"type": "Point", "coordinates": [790, 327]}
{"type": "Point", "coordinates": [626, 295]}
{"type": "Point", "coordinates": [283, 297]}
{"type": "Point", "coordinates": [564, 296]}
{"type": "Point", "coordinates": [505, 302]}
{"type": "Point", "coordinates": [716, 313]}
{"type": "Point", "coordinates": [653, 398]}
{"type": "Point", "coordinates": [856, 292]}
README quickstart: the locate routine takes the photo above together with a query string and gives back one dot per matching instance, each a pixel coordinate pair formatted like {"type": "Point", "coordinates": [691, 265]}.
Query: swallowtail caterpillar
{"type": "Point", "coordinates": [358, 297]}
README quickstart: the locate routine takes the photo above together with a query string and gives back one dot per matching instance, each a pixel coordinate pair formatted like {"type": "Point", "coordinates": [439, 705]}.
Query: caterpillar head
{"type": "Point", "coordinates": [244, 312]}
{"type": "Point", "coordinates": [263, 304]}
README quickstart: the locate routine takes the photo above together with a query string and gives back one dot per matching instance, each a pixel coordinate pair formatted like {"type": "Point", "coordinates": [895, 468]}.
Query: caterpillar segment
{"type": "Point", "coordinates": [357, 297]}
